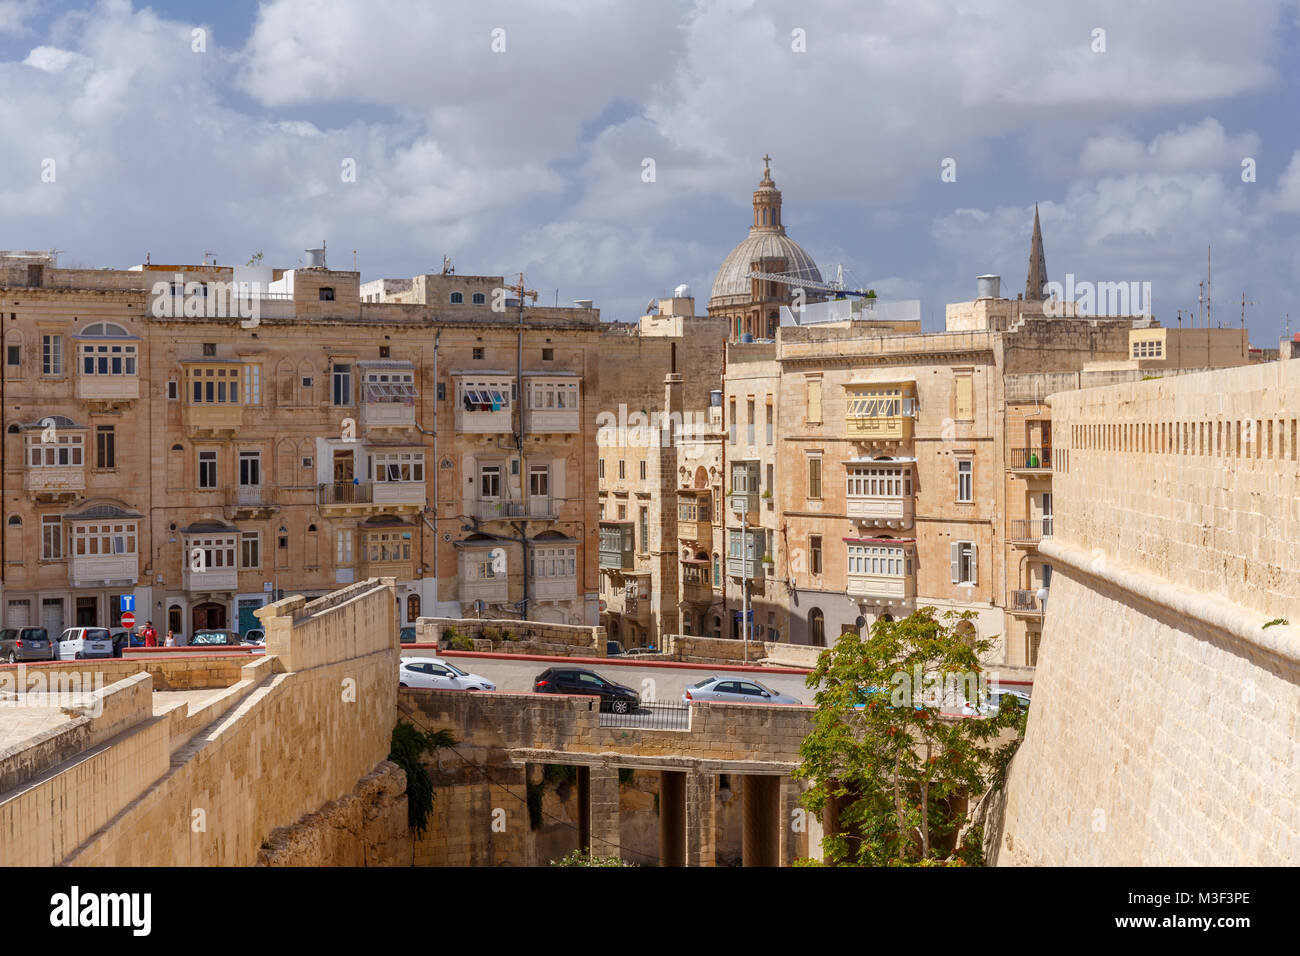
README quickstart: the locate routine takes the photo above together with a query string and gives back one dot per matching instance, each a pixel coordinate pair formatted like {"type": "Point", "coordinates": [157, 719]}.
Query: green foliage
{"type": "Point", "coordinates": [455, 640]}
{"type": "Point", "coordinates": [898, 770]}
{"type": "Point", "coordinates": [625, 775]}
{"type": "Point", "coordinates": [579, 858]}
{"type": "Point", "coordinates": [1276, 621]}
{"type": "Point", "coordinates": [407, 746]}
{"type": "Point", "coordinates": [559, 773]}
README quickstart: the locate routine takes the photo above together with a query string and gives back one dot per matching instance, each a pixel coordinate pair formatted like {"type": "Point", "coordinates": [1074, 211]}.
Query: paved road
{"type": "Point", "coordinates": [652, 683]}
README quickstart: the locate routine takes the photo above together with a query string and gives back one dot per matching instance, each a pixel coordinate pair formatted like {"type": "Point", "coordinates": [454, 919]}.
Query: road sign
{"type": "Point", "coordinates": [127, 602]}
{"type": "Point", "coordinates": [128, 619]}
{"type": "Point", "coordinates": [603, 607]}
{"type": "Point", "coordinates": [266, 587]}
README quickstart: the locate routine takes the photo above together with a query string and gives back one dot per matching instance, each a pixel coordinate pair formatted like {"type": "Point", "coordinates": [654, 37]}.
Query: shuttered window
{"type": "Point", "coordinates": [965, 411]}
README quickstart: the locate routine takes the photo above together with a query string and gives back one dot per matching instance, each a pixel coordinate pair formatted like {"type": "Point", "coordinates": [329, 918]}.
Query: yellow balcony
{"type": "Point", "coordinates": [882, 428]}
{"type": "Point", "coordinates": [212, 421]}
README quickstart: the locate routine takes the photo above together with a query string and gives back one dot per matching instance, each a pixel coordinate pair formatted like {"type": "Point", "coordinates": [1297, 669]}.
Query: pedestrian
{"type": "Point", "coordinates": [150, 635]}
{"type": "Point", "coordinates": [171, 638]}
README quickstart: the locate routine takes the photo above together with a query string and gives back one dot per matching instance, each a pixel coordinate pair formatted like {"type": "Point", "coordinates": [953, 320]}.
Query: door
{"type": "Point", "coordinates": [247, 619]}
{"type": "Point", "coordinates": [174, 622]}
{"type": "Point", "coordinates": [87, 610]}
{"type": "Point", "coordinates": [1047, 514]}
{"type": "Point", "coordinates": [209, 616]}
{"type": "Point", "coordinates": [344, 472]}
{"type": "Point", "coordinates": [52, 615]}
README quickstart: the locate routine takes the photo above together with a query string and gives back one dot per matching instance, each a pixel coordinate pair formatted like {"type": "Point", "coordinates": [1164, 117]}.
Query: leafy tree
{"type": "Point", "coordinates": [890, 748]}
{"type": "Point", "coordinates": [408, 745]}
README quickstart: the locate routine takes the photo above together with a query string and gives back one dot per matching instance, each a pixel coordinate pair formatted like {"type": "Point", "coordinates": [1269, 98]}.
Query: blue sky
{"type": "Point", "coordinates": [530, 158]}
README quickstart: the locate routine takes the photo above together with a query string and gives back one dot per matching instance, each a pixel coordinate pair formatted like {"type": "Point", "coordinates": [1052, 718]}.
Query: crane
{"type": "Point", "coordinates": [795, 281]}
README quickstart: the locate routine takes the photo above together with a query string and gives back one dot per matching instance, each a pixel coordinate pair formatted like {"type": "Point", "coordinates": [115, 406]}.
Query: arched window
{"type": "Point", "coordinates": [457, 298]}
{"type": "Point", "coordinates": [14, 539]}
{"type": "Point", "coordinates": [816, 627]}
{"type": "Point", "coordinates": [412, 606]}
{"type": "Point", "coordinates": [479, 298]}
{"type": "Point", "coordinates": [104, 330]}
{"type": "Point", "coordinates": [966, 631]}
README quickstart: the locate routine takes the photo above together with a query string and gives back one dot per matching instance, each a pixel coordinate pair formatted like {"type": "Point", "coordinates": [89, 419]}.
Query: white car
{"type": "Point", "coordinates": [79, 643]}
{"type": "Point", "coordinates": [437, 674]}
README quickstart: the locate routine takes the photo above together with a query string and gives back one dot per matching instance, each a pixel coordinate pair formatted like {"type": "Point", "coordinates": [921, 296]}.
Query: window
{"type": "Point", "coordinates": [964, 475]}
{"type": "Point", "coordinates": [717, 571]}
{"type": "Point", "coordinates": [479, 298]}
{"type": "Point", "coordinates": [104, 539]}
{"type": "Point", "coordinates": [814, 403]}
{"type": "Point", "coordinates": [341, 380]}
{"type": "Point", "coordinates": [64, 451]}
{"type": "Point", "coordinates": [816, 627]}
{"type": "Point", "coordinates": [388, 546]}
{"type": "Point", "coordinates": [385, 351]}
{"type": "Point", "coordinates": [484, 396]}
{"type": "Point", "coordinates": [600, 468]}
{"type": "Point", "coordinates": [874, 481]}
{"type": "Point", "coordinates": [173, 391]}
{"type": "Point", "coordinates": [105, 447]}
{"type": "Point", "coordinates": [553, 395]}
{"type": "Point", "coordinates": [343, 549]}
{"type": "Point", "coordinates": [539, 481]}
{"type": "Point", "coordinates": [214, 384]}
{"type": "Point", "coordinates": [622, 512]}
{"type": "Point", "coordinates": [218, 553]}
{"type": "Point", "coordinates": [644, 517]}
{"type": "Point", "coordinates": [207, 469]}
{"type": "Point", "coordinates": [387, 386]}
{"type": "Point", "coordinates": [307, 381]}
{"type": "Point", "coordinates": [442, 391]}
{"type": "Point", "coordinates": [965, 568]}
{"type": "Point", "coordinates": [102, 356]}
{"type": "Point", "coordinates": [548, 355]}
{"type": "Point", "coordinates": [768, 421]}
{"type": "Point", "coordinates": [643, 469]}
{"type": "Point", "coordinates": [457, 298]}
{"type": "Point", "coordinates": [731, 418]}
{"type": "Point", "coordinates": [478, 354]}
{"type": "Point", "coordinates": [622, 468]}
{"type": "Point", "coordinates": [557, 562]}
{"type": "Point", "coordinates": [965, 406]}
{"type": "Point", "coordinates": [250, 550]}
{"type": "Point", "coordinates": [326, 294]}
{"type": "Point", "coordinates": [749, 422]}
{"type": "Point", "coordinates": [51, 538]}
{"type": "Point", "coordinates": [815, 553]}
{"type": "Point", "coordinates": [878, 559]}
{"type": "Point", "coordinates": [14, 356]}
{"type": "Point", "coordinates": [250, 468]}
{"type": "Point", "coordinates": [209, 348]}
{"type": "Point", "coordinates": [489, 481]}
{"type": "Point", "coordinates": [399, 466]}
{"type": "Point", "coordinates": [252, 385]}
{"type": "Point", "coordinates": [814, 476]}
{"type": "Point", "coordinates": [51, 355]}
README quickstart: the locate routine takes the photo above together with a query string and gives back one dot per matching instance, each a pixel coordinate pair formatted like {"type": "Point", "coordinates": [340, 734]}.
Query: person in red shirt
{"type": "Point", "coordinates": [150, 635]}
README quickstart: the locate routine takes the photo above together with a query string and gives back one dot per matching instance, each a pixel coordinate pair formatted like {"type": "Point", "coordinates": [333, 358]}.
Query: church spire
{"type": "Point", "coordinates": [1037, 278]}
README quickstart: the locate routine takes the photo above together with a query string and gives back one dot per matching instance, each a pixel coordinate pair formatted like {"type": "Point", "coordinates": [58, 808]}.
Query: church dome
{"type": "Point", "coordinates": [767, 242]}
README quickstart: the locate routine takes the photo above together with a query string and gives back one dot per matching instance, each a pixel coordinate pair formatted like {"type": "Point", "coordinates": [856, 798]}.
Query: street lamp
{"type": "Point", "coordinates": [1042, 599]}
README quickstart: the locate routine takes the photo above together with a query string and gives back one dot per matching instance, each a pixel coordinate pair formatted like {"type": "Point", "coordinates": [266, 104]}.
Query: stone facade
{"type": "Point", "coordinates": [1164, 727]}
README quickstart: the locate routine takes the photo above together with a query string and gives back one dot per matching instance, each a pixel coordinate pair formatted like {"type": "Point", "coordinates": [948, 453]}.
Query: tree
{"type": "Point", "coordinates": [890, 749]}
{"type": "Point", "coordinates": [579, 858]}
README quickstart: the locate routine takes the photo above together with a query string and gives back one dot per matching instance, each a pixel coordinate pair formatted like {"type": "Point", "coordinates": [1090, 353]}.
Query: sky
{"type": "Point", "coordinates": [609, 149]}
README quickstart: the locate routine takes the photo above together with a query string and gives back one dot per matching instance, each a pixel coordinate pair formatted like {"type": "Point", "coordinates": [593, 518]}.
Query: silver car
{"type": "Point", "coordinates": [80, 643]}
{"type": "Point", "coordinates": [735, 690]}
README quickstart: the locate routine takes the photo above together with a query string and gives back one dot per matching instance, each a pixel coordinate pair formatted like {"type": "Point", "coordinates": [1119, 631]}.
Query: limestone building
{"type": "Point", "coordinates": [159, 445]}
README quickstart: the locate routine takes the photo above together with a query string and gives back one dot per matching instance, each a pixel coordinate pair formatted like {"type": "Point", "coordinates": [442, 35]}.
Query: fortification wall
{"type": "Point", "coordinates": [1165, 727]}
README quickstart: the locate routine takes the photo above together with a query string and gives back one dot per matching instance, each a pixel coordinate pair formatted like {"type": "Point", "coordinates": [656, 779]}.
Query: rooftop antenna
{"type": "Point", "coordinates": [1209, 283]}
{"type": "Point", "coordinates": [1244, 303]}
{"type": "Point", "coordinates": [1200, 303]}
{"type": "Point", "coordinates": [1180, 318]}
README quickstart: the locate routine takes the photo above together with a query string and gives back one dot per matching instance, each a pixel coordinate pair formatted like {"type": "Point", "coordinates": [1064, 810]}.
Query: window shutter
{"type": "Point", "coordinates": [974, 563]}
{"type": "Point", "coordinates": [965, 399]}
{"type": "Point", "coordinates": [815, 400]}
{"type": "Point", "coordinates": [557, 480]}
{"type": "Point", "coordinates": [954, 551]}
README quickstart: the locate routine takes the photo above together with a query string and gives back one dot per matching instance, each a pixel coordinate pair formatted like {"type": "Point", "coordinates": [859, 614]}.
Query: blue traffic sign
{"type": "Point", "coordinates": [127, 602]}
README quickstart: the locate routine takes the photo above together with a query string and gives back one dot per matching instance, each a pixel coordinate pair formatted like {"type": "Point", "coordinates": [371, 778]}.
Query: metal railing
{"type": "Point", "coordinates": [649, 715]}
{"type": "Point", "coordinates": [1031, 457]}
{"type": "Point", "coordinates": [1025, 601]}
{"type": "Point", "coordinates": [1031, 529]}
{"type": "Point", "coordinates": [346, 493]}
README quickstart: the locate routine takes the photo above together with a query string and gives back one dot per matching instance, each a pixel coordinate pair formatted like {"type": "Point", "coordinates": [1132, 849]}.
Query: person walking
{"type": "Point", "coordinates": [171, 638]}
{"type": "Point", "coordinates": [150, 635]}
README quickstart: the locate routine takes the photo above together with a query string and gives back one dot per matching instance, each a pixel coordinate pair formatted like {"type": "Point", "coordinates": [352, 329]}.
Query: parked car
{"type": "Point", "coordinates": [81, 643]}
{"type": "Point", "coordinates": [406, 635]}
{"type": "Point", "coordinates": [579, 680]}
{"type": "Point", "coordinates": [614, 649]}
{"type": "Point", "coordinates": [438, 674]}
{"type": "Point", "coordinates": [215, 637]}
{"type": "Point", "coordinates": [639, 651]}
{"type": "Point", "coordinates": [255, 635]}
{"type": "Point", "coordinates": [735, 690]}
{"type": "Point", "coordinates": [124, 639]}
{"type": "Point", "coordinates": [25, 644]}
{"type": "Point", "coordinates": [994, 703]}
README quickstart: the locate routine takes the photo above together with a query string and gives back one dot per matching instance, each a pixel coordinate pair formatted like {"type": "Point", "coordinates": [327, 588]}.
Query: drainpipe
{"type": "Point", "coordinates": [522, 526]}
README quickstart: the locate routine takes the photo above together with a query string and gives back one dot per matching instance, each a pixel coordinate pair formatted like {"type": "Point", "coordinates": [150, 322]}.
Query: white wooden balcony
{"type": "Point", "coordinates": [92, 570]}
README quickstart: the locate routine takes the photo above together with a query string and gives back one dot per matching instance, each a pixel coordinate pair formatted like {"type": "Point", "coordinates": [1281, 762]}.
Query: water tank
{"type": "Point", "coordinates": [316, 258]}
{"type": "Point", "coordinates": [683, 291]}
{"type": "Point", "coordinates": [747, 338]}
{"type": "Point", "coordinates": [989, 287]}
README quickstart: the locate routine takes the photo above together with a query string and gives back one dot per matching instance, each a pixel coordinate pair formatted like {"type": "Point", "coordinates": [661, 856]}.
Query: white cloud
{"type": "Point", "coordinates": [1205, 145]}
